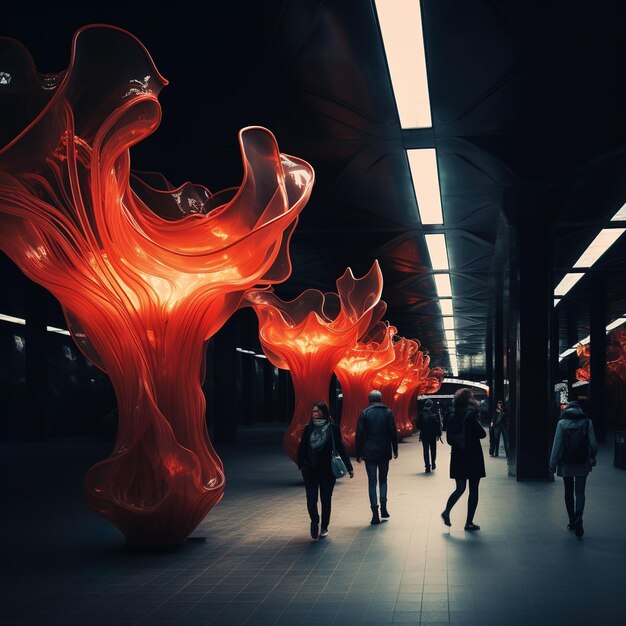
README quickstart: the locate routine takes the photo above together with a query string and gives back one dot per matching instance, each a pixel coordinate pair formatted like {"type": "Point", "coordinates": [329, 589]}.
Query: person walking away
{"type": "Point", "coordinates": [376, 440]}
{"type": "Point", "coordinates": [574, 452]}
{"type": "Point", "coordinates": [314, 452]}
{"type": "Point", "coordinates": [499, 424]}
{"type": "Point", "coordinates": [467, 463]}
{"type": "Point", "coordinates": [430, 432]}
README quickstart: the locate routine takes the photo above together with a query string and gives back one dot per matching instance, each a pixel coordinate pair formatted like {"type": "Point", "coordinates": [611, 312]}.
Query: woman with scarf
{"type": "Point", "coordinates": [314, 454]}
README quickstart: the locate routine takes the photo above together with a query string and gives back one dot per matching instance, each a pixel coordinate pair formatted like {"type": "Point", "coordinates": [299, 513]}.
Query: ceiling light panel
{"type": "Point", "coordinates": [446, 306]}
{"type": "Point", "coordinates": [423, 165]}
{"type": "Point", "coordinates": [618, 322]}
{"type": "Point", "coordinates": [448, 323]}
{"type": "Point", "coordinates": [605, 239]}
{"type": "Point", "coordinates": [568, 281]}
{"type": "Point", "coordinates": [401, 29]}
{"type": "Point", "coordinates": [444, 287]}
{"type": "Point", "coordinates": [620, 216]}
{"type": "Point", "coordinates": [438, 251]}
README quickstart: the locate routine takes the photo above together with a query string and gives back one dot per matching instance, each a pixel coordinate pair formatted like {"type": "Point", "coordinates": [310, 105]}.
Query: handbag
{"type": "Point", "coordinates": [337, 465]}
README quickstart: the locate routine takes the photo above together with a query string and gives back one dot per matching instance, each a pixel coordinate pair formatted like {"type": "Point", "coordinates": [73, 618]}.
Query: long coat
{"type": "Point", "coordinates": [469, 462]}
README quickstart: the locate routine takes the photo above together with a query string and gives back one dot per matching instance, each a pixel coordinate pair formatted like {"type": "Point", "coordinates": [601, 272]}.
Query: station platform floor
{"type": "Point", "coordinates": [63, 564]}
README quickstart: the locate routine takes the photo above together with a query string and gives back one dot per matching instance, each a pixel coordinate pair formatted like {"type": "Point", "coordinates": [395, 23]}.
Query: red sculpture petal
{"type": "Point", "coordinates": [356, 371]}
{"type": "Point", "coordinates": [309, 335]}
{"type": "Point", "coordinates": [145, 277]}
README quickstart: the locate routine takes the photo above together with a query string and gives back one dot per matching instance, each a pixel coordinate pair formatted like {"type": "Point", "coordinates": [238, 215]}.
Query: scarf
{"type": "Point", "coordinates": [319, 434]}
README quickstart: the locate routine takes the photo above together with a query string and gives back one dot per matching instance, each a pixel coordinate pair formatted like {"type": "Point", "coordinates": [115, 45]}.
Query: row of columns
{"type": "Point", "coordinates": [526, 350]}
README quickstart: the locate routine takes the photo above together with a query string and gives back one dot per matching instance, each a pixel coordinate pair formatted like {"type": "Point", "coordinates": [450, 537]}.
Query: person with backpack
{"type": "Point", "coordinates": [467, 462]}
{"type": "Point", "coordinates": [430, 432]}
{"type": "Point", "coordinates": [573, 455]}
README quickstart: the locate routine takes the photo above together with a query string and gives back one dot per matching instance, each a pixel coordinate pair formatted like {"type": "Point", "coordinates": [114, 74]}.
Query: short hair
{"type": "Point", "coordinates": [462, 397]}
{"type": "Point", "coordinates": [323, 407]}
{"type": "Point", "coordinates": [375, 396]}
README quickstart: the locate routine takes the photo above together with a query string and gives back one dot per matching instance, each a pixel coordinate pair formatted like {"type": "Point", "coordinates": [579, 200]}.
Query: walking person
{"type": "Point", "coordinates": [467, 463]}
{"type": "Point", "coordinates": [574, 452]}
{"type": "Point", "coordinates": [376, 440]}
{"type": "Point", "coordinates": [499, 424]}
{"type": "Point", "coordinates": [314, 454]}
{"type": "Point", "coordinates": [430, 432]}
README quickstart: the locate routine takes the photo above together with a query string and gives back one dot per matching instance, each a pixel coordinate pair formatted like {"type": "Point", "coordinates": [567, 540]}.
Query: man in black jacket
{"type": "Point", "coordinates": [376, 438]}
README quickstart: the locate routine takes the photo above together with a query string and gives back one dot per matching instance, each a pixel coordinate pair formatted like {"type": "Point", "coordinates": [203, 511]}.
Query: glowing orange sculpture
{"type": "Point", "coordinates": [388, 379]}
{"type": "Point", "coordinates": [142, 286]}
{"type": "Point", "coordinates": [309, 335]}
{"type": "Point", "coordinates": [356, 371]}
{"type": "Point", "coordinates": [420, 379]}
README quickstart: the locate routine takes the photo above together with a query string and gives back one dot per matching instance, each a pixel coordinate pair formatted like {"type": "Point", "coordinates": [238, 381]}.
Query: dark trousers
{"type": "Point", "coordinates": [497, 431]}
{"type": "Point", "coordinates": [322, 484]}
{"type": "Point", "coordinates": [430, 452]}
{"type": "Point", "coordinates": [491, 441]}
{"type": "Point", "coordinates": [574, 485]}
{"type": "Point", "coordinates": [374, 468]}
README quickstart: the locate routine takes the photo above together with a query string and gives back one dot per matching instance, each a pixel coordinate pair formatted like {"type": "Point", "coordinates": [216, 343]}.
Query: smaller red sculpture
{"type": "Point", "coordinates": [356, 371]}
{"type": "Point", "coordinates": [615, 373]}
{"type": "Point", "coordinates": [309, 335]}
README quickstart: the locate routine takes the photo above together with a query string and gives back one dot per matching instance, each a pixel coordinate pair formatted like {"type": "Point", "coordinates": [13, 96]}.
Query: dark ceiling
{"type": "Point", "coordinates": [524, 95]}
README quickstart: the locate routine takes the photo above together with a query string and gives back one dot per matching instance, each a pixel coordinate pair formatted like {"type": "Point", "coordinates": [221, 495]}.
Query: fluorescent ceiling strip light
{"type": "Point", "coordinates": [401, 29]}
{"type": "Point", "coordinates": [444, 287]}
{"type": "Point", "coordinates": [10, 318]}
{"type": "Point", "coordinates": [568, 281]}
{"type": "Point", "coordinates": [438, 252]}
{"type": "Point", "coordinates": [450, 336]}
{"type": "Point", "coordinates": [583, 342]}
{"type": "Point", "coordinates": [446, 306]}
{"type": "Point", "coordinates": [618, 322]}
{"type": "Point", "coordinates": [620, 216]}
{"type": "Point", "coordinates": [556, 301]}
{"type": "Point", "coordinates": [61, 331]}
{"type": "Point", "coordinates": [567, 353]}
{"type": "Point", "coordinates": [423, 165]}
{"type": "Point", "coordinates": [448, 323]}
{"type": "Point", "coordinates": [605, 239]}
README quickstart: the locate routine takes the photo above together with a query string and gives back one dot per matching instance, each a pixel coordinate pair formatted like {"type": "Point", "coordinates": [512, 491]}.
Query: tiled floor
{"type": "Point", "coordinates": [62, 564]}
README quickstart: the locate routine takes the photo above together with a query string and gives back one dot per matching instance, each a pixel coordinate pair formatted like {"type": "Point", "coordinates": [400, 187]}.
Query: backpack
{"type": "Point", "coordinates": [575, 445]}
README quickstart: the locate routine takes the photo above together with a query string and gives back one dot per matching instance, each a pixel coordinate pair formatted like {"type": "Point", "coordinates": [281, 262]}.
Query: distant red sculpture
{"type": "Point", "coordinates": [145, 277]}
{"type": "Point", "coordinates": [309, 335]}
{"type": "Point", "coordinates": [615, 405]}
{"type": "Point", "coordinates": [388, 379]}
{"type": "Point", "coordinates": [419, 380]}
{"type": "Point", "coordinates": [356, 371]}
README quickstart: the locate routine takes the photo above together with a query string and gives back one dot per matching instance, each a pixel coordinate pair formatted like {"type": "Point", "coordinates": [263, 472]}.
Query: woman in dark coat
{"type": "Point", "coordinates": [314, 454]}
{"type": "Point", "coordinates": [467, 463]}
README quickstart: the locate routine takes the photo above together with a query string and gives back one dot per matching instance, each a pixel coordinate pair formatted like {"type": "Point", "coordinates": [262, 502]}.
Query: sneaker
{"type": "Point", "coordinates": [446, 518]}
{"type": "Point", "coordinates": [315, 528]}
{"type": "Point", "coordinates": [578, 525]}
{"type": "Point", "coordinates": [434, 466]}
{"type": "Point", "coordinates": [572, 524]}
{"type": "Point", "coordinates": [472, 526]}
{"type": "Point", "coordinates": [427, 470]}
{"type": "Point", "coordinates": [324, 532]}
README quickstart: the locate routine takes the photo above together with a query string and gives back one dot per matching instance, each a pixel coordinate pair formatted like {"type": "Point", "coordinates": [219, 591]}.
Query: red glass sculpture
{"type": "Point", "coordinates": [420, 379]}
{"type": "Point", "coordinates": [615, 372]}
{"type": "Point", "coordinates": [356, 371]}
{"type": "Point", "coordinates": [144, 276]}
{"type": "Point", "coordinates": [388, 379]}
{"type": "Point", "coordinates": [309, 335]}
